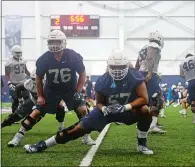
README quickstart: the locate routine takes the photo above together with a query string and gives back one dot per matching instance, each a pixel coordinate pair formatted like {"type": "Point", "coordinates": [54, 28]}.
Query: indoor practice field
{"type": "Point", "coordinates": [175, 148]}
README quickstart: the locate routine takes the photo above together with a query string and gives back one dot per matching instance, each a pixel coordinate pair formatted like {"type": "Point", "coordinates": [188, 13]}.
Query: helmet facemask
{"type": "Point", "coordinates": [118, 72]}
{"type": "Point", "coordinates": [17, 55]}
{"type": "Point", "coordinates": [56, 45]}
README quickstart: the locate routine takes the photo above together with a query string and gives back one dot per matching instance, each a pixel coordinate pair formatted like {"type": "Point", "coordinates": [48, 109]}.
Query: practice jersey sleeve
{"type": "Point", "coordinates": [41, 66]}
{"type": "Point", "coordinates": [79, 66]}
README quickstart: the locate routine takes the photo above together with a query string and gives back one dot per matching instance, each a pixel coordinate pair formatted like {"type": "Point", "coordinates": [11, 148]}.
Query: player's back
{"type": "Point", "coordinates": [143, 64]}
{"type": "Point", "coordinates": [60, 75]}
{"type": "Point", "coordinates": [122, 91]}
{"type": "Point", "coordinates": [188, 67]}
{"type": "Point", "coordinates": [17, 70]}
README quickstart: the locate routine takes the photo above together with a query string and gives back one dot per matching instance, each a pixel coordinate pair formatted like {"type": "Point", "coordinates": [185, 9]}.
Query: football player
{"type": "Point", "coordinates": [187, 70]}
{"type": "Point", "coordinates": [121, 96]}
{"type": "Point", "coordinates": [15, 73]}
{"type": "Point", "coordinates": [147, 63]}
{"type": "Point", "coordinates": [60, 66]}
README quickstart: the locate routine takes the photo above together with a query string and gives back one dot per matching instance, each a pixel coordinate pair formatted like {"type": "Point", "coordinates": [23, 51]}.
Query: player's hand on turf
{"type": "Point", "coordinates": [113, 109]}
{"type": "Point", "coordinates": [11, 86]}
{"type": "Point", "coordinates": [40, 100]}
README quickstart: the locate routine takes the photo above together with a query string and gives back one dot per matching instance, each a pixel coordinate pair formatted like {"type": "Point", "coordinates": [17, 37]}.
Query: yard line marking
{"type": "Point", "coordinates": [91, 153]}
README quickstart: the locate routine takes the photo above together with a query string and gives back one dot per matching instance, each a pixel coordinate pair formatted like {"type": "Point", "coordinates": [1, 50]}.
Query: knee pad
{"type": "Point", "coordinates": [32, 123]}
{"type": "Point", "coordinates": [60, 114]}
{"type": "Point", "coordinates": [64, 136]}
{"type": "Point", "coordinates": [193, 106]}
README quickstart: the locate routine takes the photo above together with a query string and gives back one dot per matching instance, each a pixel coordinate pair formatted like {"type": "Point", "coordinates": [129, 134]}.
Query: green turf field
{"type": "Point", "coordinates": [5, 105]}
{"type": "Point", "coordinates": [176, 148]}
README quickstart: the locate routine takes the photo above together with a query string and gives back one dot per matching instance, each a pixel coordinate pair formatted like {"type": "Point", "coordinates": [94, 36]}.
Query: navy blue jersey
{"type": "Point", "coordinates": [60, 75]}
{"type": "Point", "coordinates": [123, 91]}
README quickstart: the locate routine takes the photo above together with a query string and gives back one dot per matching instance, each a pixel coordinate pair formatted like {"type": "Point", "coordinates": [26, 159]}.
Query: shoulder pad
{"type": "Point", "coordinates": [28, 84]}
{"type": "Point", "coordinates": [9, 62]}
{"type": "Point", "coordinates": [101, 82]}
{"type": "Point", "coordinates": [154, 45]}
{"type": "Point", "coordinates": [74, 56]}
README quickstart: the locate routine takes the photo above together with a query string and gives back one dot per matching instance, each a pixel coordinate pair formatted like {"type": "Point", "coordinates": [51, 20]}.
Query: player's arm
{"type": "Point", "coordinates": [151, 60]}
{"type": "Point", "coordinates": [81, 81]}
{"type": "Point", "coordinates": [182, 72]}
{"type": "Point", "coordinates": [39, 85]}
{"type": "Point", "coordinates": [142, 97]}
{"type": "Point", "coordinates": [100, 100]}
{"type": "Point", "coordinates": [137, 66]}
{"type": "Point", "coordinates": [26, 71]}
{"type": "Point", "coordinates": [7, 73]}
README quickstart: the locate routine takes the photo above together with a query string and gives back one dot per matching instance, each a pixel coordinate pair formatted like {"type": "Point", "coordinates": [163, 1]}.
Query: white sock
{"type": "Point", "coordinates": [154, 121]}
{"type": "Point", "coordinates": [163, 111]}
{"type": "Point", "coordinates": [184, 111]}
{"type": "Point", "coordinates": [142, 134]}
{"type": "Point", "coordinates": [22, 130]}
{"type": "Point", "coordinates": [61, 125]}
{"type": "Point", "coordinates": [51, 141]}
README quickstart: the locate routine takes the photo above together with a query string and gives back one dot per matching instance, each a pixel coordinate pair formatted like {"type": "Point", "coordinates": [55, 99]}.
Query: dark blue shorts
{"type": "Point", "coordinates": [52, 100]}
{"type": "Point", "coordinates": [96, 121]}
{"type": "Point", "coordinates": [191, 90]}
{"type": "Point", "coordinates": [153, 84]}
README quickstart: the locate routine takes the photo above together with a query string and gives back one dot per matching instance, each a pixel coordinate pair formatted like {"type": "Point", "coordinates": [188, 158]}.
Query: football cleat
{"type": "Point", "coordinates": [155, 129]}
{"type": "Point", "coordinates": [142, 147]}
{"type": "Point", "coordinates": [34, 148]}
{"type": "Point", "coordinates": [86, 139]}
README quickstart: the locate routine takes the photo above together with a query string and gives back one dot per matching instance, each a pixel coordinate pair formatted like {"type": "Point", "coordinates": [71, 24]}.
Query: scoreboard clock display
{"type": "Point", "coordinates": [76, 25]}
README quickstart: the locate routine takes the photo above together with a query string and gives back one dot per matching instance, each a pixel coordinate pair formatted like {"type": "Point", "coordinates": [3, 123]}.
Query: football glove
{"type": "Point", "coordinates": [113, 109]}
{"type": "Point", "coordinates": [11, 86]}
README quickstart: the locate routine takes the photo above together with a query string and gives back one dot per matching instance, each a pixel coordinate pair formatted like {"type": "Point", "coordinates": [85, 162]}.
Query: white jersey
{"type": "Point", "coordinates": [143, 55]}
{"type": "Point", "coordinates": [17, 70]}
{"type": "Point", "coordinates": [30, 85]}
{"type": "Point", "coordinates": [188, 67]}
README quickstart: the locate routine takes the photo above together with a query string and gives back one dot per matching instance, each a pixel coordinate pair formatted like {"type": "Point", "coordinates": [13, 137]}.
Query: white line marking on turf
{"type": "Point", "coordinates": [91, 153]}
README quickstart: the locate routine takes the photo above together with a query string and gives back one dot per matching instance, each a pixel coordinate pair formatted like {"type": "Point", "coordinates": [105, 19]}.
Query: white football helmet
{"type": "Point", "coordinates": [179, 84]}
{"type": "Point", "coordinates": [16, 51]}
{"type": "Point", "coordinates": [118, 64]}
{"type": "Point", "coordinates": [33, 73]}
{"type": "Point", "coordinates": [56, 41]}
{"type": "Point", "coordinates": [157, 37]}
{"type": "Point", "coordinates": [173, 87]}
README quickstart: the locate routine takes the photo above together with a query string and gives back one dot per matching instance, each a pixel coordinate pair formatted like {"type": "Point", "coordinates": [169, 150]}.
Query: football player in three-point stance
{"type": "Point", "coordinates": [15, 73]}
{"type": "Point", "coordinates": [187, 70]}
{"type": "Point", "coordinates": [147, 63]}
{"type": "Point", "coordinates": [60, 66]}
{"type": "Point", "coordinates": [121, 96]}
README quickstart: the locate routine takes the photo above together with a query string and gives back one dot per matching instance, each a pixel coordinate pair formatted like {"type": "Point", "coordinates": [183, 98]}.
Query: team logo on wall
{"type": "Point", "coordinates": [12, 33]}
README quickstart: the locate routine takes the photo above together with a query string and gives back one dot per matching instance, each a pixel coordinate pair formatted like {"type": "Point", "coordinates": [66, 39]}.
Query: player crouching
{"type": "Point", "coordinates": [121, 96]}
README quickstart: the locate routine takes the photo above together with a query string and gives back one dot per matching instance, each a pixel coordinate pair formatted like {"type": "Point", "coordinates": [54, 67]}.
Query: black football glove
{"type": "Point", "coordinates": [78, 97]}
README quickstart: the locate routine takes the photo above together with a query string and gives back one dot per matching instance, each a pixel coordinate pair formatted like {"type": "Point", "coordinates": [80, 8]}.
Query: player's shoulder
{"type": "Point", "coordinates": [9, 61]}
{"type": "Point", "coordinates": [43, 58]}
{"type": "Point", "coordinates": [135, 76]}
{"type": "Point", "coordinates": [102, 82]}
{"type": "Point", "coordinates": [28, 84]}
{"type": "Point", "coordinates": [72, 55]}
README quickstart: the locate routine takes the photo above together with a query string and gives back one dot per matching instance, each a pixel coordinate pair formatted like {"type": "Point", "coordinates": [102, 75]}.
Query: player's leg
{"type": "Point", "coordinates": [81, 111]}
{"type": "Point", "coordinates": [184, 107]}
{"type": "Point", "coordinates": [191, 97]}
{"type": "Point", "coordinates": [27, 124]}
{"type": "Point", "coordinates": [143, 125]}
{"type": "Point", "coordinates": [21, 112]}
{"type": "Point", "coordinates": [60, 116]}
{"type": "Point", "coordinates": [94, 121]}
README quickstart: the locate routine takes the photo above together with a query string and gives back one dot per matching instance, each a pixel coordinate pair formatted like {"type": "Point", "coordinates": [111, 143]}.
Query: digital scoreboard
{"type": "Point", "coordinates": [76, 25]}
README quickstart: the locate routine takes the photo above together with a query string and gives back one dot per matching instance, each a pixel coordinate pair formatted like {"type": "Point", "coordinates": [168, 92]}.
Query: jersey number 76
{"type": "Point", "coordinates": [65, 77]}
